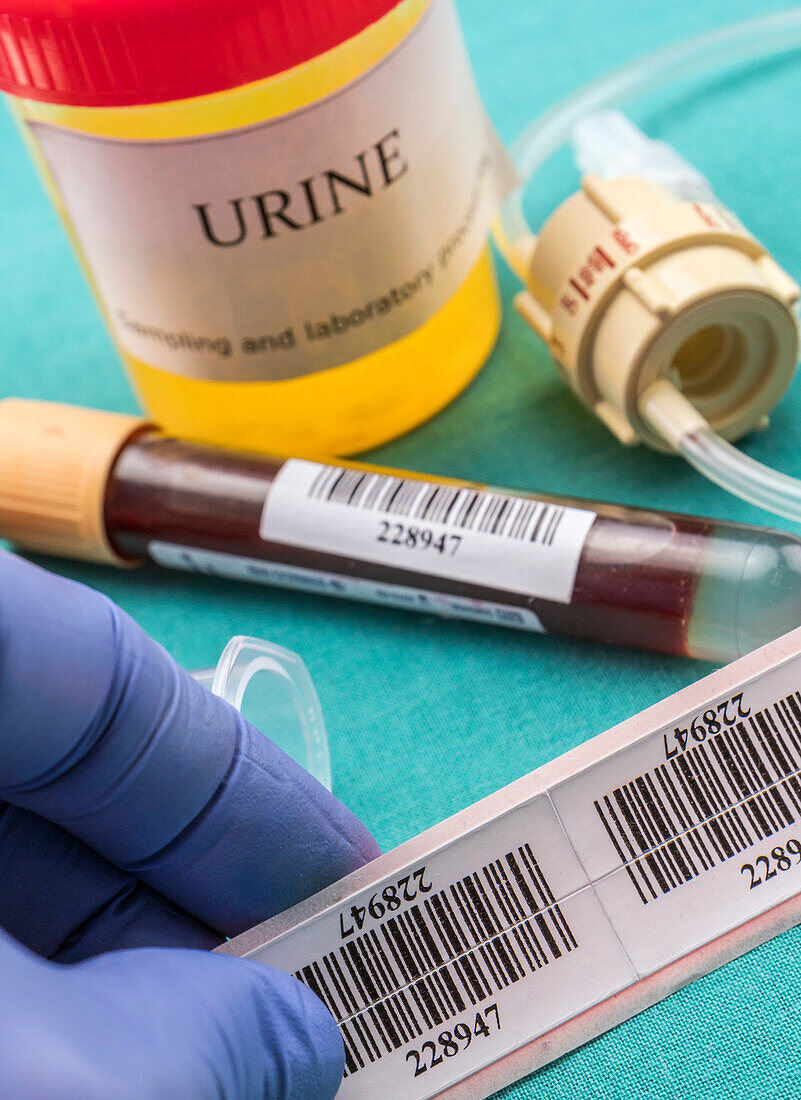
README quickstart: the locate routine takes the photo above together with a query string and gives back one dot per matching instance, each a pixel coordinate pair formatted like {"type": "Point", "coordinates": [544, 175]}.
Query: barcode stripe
{"type": "Point", "coordinates": [395, 1007]}
{"type": "Point", "coordinates": [560, 515]}
{"type": "Point", "coordinates": [494, 923]}
{"type": "Point", "coordinates": [651, 796]}
{"type": "Point", "coordinates": [371, 961]}
{"type": "Point", "coordinates": [497, 514]}
{"type": "Point", "coordinates": [378, 1029]}
{"type": "Point", "coordinates": [333, 963]}
{"type": "Point", "coordinates": [710, 802]}
{"type": "Point", "coordinates": [789, 707]}
{"type": "Point", "coordinates": [522, 885]}
{"type": "Point", "coordinates": [459, 896]}
{"type": "Point", "coordinates": [545, 891]}
{"type": "Point", "coordinates": [539, 516]}
{"type": "Point", "coordinates": [421, 964]}
{"type": "Point", "coordinates": [546, 894]}
{"type": "Point", "coordinates": [647, 831]}
{"type": "Point", "coordinates": [446, 930]}
{"type": "Point", "coordinates": [621, 831]}
{"type": "Point", "coordinates": [514, 901]}
{"type": "Point", "coordinates": [401, 1004]}
{"type": "Point", "coordinates": [490, 967]}
{"type": "Point", "coordinates": [780, 738]}
{"type": "Point", "coordinates": [493, 880]}
{"type": "Point", "coordinates": [422, 1009]}
{"type": "Point", "coordinates": [397, 954]}
{"type": "Point", "coordinates": [382, 962]}
{"type": "Point", "coordinates": [439, 999]}
{"type": "Point", "coordinates": [347, 958]}
{"type": "Point", "coordinates": [326, 993]}
{"type": "Point", "coordinates": [368, 1043]}
{"type": "Point", "coordinates": [370, 972]}
{"type": "Point", "coordinates": [743, 764]}
{"type": "Point", "coordinates": [666, 783]}
{"type": "Point", "coordinates": [770, 742]}
{"type": "Point", "coordinates": [458, 917]}
{"type": "Point", "coordinates": [351, 1052]}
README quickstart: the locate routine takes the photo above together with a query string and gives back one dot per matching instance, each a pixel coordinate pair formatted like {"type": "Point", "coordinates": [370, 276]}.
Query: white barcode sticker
{"type": "Point", "coordinates": [492, 539]}
{"type": "Point", "coordinates": [459, 956]}
{"type": "Point", "coordinates": [665, 824]}
{"type": "Point", "coordinates": [568, 901]}
{"type": "Point", "coordinates": [212, 563]}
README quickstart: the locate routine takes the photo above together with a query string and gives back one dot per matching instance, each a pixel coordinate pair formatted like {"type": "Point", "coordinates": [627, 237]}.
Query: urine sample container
{"type": "Point", "coordinates": [283, 209]}
{"type": "Point", "coordinates": [272, 689]}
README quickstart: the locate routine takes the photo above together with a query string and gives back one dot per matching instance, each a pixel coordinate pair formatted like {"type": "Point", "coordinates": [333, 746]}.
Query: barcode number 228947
{"type": "Point", "coordinates": [385, 902]}
{"type": "Point", "coordinates": [710, 722]}
{"type": "Point", "coordinates": [412, 537]}
{"type": "Point", "coordinates": [450, 1043]}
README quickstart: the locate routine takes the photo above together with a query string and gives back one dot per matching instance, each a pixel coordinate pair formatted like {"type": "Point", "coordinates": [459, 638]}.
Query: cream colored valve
{"type": "Point", "coordinates": [630, 286]}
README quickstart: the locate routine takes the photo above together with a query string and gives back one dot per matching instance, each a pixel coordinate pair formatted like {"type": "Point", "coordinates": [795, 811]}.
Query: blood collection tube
{"type": "Point", "coordinates": [106, 487]}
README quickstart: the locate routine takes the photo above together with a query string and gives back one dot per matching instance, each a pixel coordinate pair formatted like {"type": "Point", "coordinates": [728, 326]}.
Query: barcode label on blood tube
{"type": "Point", "coordinates": [464, 508]}
{"type": "Point", "coordinates": [495, 540]}
{"type": "Point", "coordinates": [647, 852]}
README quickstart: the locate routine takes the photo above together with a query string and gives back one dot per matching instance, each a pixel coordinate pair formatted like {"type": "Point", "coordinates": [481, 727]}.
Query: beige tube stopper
{"type": "Point", "coordinates": [630, 286]}
{"type": "Point", "coordinates": [55, 462]}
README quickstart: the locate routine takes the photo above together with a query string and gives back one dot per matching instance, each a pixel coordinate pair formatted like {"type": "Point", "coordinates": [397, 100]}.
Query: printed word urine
{"type": "Point", "coordinates": [308, 201]}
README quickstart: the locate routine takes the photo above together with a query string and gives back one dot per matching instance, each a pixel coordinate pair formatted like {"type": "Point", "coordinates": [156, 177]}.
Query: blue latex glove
{"type": "Point", "coordinates": [141, 811]}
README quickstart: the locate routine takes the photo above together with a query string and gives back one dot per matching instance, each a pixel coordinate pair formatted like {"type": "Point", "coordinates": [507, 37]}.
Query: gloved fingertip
{"type": "Point", "coordinates": [304, 1052]}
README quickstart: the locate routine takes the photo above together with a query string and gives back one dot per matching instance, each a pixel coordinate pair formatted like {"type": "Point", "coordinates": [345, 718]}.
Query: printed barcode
{"type": "Point", "coordinates": [709, 803]}
{"type": "Point", "coordinates": [638, 835]}
{"type": "Point", "coordinates": [423, 966]}
{"type": "Point", "coordinates": [469, 509]}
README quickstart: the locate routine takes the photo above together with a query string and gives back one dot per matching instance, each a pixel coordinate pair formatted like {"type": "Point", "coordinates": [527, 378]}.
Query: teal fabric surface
{"type": "Point", "coordinates": [426, 716]}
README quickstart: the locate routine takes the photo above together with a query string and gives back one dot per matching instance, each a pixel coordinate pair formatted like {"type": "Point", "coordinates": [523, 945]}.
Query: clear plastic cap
{"type": "Point", "coordinates": [607, 144]}
{"type": "Point", "coordinates": [272, 689]}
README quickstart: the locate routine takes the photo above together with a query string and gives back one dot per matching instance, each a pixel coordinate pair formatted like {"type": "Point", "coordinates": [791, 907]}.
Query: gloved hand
{"type": "Point", "coordinates": [140, 811]}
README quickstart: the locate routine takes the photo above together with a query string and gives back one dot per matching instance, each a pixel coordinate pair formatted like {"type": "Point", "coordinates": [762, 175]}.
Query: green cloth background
{"type": "Point", "coordinates": [426, 716]}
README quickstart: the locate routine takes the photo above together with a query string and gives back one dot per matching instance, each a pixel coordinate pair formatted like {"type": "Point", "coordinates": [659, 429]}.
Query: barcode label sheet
{"type": "Point", "coordinates": [483, 537]}
{"type": "Point", "coordinates": [575, 893]}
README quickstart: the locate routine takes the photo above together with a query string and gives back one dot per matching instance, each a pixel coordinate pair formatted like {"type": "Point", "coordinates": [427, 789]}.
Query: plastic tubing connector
{"type": "Point", "coordinates": [704, 352]}
{"type": "Point", "coordinates": [630, 285]}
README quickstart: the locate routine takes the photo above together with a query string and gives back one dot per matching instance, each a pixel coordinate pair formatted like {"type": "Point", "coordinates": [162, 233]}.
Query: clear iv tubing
{"type": "Point", "coordinates": [763, 37]}
{"type": "Point", "coordinates": [743, 476]}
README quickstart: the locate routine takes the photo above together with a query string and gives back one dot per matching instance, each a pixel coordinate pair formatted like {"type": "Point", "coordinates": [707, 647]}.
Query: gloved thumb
{"type": "Point", "coordinates": [158, 1022]}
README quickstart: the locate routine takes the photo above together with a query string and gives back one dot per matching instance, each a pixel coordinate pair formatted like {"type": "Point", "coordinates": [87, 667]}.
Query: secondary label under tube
{"type": "Point", "coordinates": [213, 563]}
{"type": "Point", "coordinates": [479, 536]}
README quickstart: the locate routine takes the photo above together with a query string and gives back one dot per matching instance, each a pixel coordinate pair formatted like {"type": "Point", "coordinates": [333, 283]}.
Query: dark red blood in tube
{"type": "Point", "coordinates": [637, 581]}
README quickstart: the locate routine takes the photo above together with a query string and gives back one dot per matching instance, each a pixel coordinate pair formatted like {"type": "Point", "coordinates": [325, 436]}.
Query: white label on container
{"type": "Point", "coordinates": [482, 537]}
{"type": "Point", "coordinates": [488, 940]}
{"type": "Point", "coordinates": [215, 564]}
{"type": "Point", "coordinates": [301, 243]}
